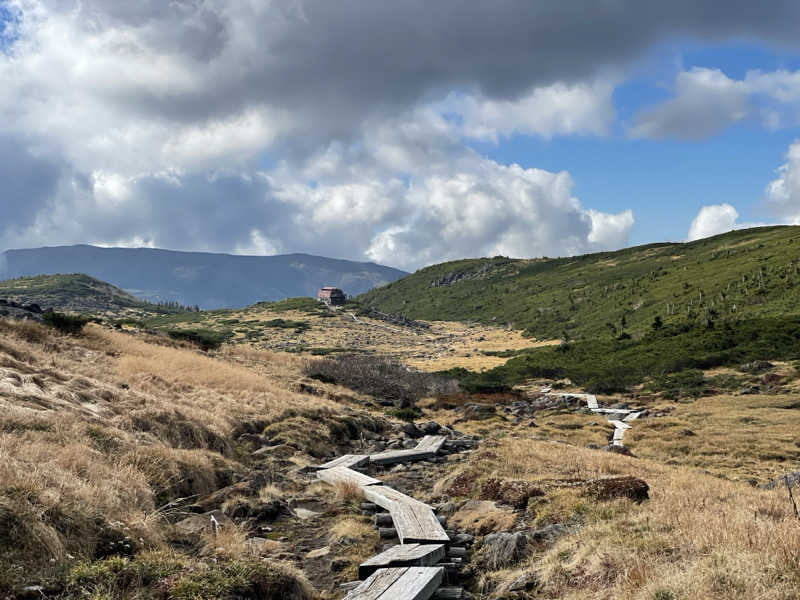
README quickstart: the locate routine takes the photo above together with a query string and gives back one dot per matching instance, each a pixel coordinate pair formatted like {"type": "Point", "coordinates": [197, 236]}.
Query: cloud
{"type": "Point", "coordinates": [713, 220]}
{"type": "Point", "coordinates": [706, 101]}
{"type": "Point", "coordinates": [320, 126]}
{"type": "Point", "coordinates": [557, 109]}
{"type": "Point", "coordinates": [782, 195]}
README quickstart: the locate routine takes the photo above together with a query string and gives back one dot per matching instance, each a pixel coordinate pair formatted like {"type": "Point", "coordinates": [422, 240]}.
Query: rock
{"type": "Point", "coordinates": [412, 430]}
{"type": "Point", "coordinates": [524, 583]}
{"type": "Point", "coordinates": [430, 428]}
{"type": "Point", "coordinates": [632, 488]}
{"type": "Point", "coordinates": [446, 508]}
{"type": "Point", "coordinates": [462, 539]}
{"type": "Point", "coordinates": [409, 444]}
{"type": "Point", "coordinates": [549, 533]}
{"type": "Point", "coordinates": [258, 545]}
{"type": "Point", "coordinates": [319, 552]}
{"type": "Point", "coordinates": [206, 523]}
{"type": "Point", "coordinates": [503, 549]}
{"type": "Point", "coordinates": [618, 450]}
{"type": "Point", "coordinates": [304, 514]}
{"type": "Point", "coordinates": [793, 477]}
{"type": "Point", "coordinates": [280, 451]}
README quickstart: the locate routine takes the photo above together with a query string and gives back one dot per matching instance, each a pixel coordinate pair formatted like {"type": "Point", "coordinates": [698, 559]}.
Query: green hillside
{"type": "Point", "coordinates": [735, 276]}
{"type": "Point", "coordinates": [79, 293]}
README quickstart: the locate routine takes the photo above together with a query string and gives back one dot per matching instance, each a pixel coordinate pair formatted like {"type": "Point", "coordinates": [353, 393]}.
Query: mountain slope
{"type": "Point", "coordinates": [743, 274]}
{"type": "Point", "coordinates": [76, 292]}
{"type": "Point", "coordinates": [209, 280]}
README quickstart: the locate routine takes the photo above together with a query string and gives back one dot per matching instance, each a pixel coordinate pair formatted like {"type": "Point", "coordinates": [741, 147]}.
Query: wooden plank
{"type": "Point", "coordinates": [414, 521]}
{"type": "Point", "coordinates": [431, 443]}
{"type": "Point", "coordinates": [618, 433]}
{"type": "Point", "coordinates": [346, 460]}
{"type": "Point", "coordinates": [619, 424]}
{"type": "Point", "coordinates": [376, 585]}
{"type": "Point", "coordinates": [591, 401]}
{"type": "Point", "coordinates": [400, 456]}
{"type": "Point", "coordinates": [404, 583]}
{"type": "Point", "coordinates": [633, 416]}
{"type": "Point", "coordinates": [612, 411]}
{"type": "Point", "coordinates": [418, 583]}
{"type": "Point", "coordinates": [427, 447]}
{"type": "Point", "coordinates": [345, 475]}
{"type": "Point", "coordinates": [403, 555]}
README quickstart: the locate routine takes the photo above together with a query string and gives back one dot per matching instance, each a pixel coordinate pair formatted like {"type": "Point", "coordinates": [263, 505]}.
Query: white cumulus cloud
{"type": "Point", "coordinates": [783, 192]}
{"type": "Point", "coordinates": [713, 220]}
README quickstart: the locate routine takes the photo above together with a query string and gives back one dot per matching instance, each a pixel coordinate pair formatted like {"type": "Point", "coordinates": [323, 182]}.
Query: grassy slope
{"type": "Point", "coordinates": [75, 292]}
{"type": "Point", "coordinates": [747, 273]}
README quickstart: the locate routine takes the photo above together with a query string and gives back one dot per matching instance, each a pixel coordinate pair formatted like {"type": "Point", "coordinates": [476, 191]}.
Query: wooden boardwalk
{"type": "Point", "coordinates": [403, 583]}
{"type": "Point", "coordinates": [618, 417]}
{"type": "Point", "coordinates": [403, 555]}
{"type": "Point", "coordinates": [425, 449]}
{"type": "Point", "coordinates": [403, 572]}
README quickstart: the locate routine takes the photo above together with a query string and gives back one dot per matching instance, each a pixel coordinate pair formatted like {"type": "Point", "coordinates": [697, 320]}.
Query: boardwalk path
{"type": "Point", "coordinates": [620, 418]}
{"type": "Point", "coordinates": [409, 570]}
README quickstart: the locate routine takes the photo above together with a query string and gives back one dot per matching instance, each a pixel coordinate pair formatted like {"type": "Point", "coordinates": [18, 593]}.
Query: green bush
{"type": "Point", "coordinates": [207, 339]}
{"type": "Point", "coordinates": [65, 323]}
{"type": "Point", "coordinates": [608, 366]}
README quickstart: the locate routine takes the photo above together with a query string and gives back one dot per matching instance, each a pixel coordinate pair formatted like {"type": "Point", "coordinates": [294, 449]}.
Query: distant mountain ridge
{"type": "Point", "coordinates": [206, 279]}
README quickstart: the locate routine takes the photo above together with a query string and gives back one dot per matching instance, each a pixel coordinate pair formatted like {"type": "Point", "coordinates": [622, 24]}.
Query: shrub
{"type": "Point", "coordinates": [71, 324]}
{"type": "Point", "coordinates": [377, 376]}
{"type": "Point", "coordinates": [207, 339]}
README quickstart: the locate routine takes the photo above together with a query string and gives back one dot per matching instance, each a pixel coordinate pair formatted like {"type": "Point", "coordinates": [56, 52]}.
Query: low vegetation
{"type": "Point", "coordinates": [611, 365]}
{"type": "Point", "coordinates": [378, 376]}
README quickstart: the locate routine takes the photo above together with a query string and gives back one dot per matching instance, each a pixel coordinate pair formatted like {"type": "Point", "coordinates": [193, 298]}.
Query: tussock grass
{"type": "Point", "coordinates": [697, 537]}
{"type": "Point", "coordinates": [100, 433]}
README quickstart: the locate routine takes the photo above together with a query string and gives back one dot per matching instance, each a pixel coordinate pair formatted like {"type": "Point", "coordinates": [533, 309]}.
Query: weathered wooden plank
{"type": "Point", "coordinates": [633, 416]}
{"type": "Point", "coordinates": [376, 585]}
{"type": "Point", "coordinates": [612, 411]}
{"type": "Point", "coordinates": [426, 448]}
{"type": "Point", "coordinates": [431, 443]}
{"type": "Point", "coordinates": [346, 460]}
{"type": "Point", "coordinates": [618, 433]}
{"type": "Point", "coordinates": [345, 475]}
{"type": "Point", "coordinates": [591, 401]}
{"type": "Point", "coordinates": [403, 555]}
{"type": "Point", "coordinates": [619, 424]}
{"type": "Point", "coordinates": [415, 521]}
{"type": "Point", "coordinates": [404, 583]}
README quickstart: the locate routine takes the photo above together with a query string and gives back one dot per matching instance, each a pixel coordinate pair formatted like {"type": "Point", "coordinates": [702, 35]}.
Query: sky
{"type": "Point", "coordinates": [403, 133]}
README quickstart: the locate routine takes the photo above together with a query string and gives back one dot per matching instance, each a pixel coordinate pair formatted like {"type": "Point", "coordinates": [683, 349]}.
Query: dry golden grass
{"type": "Point", "coordinates": [742, 437]}
{"type": "Point", "coordinates": [697, 537]}
{"type": "Point", "coordinates": [445, 345]}
{"type": "Point", "coordinates": [98, 433]}
{"type": "Point", "coordinates": [348, 492]}
{"type": "Point", "coordinates": [353, 539]}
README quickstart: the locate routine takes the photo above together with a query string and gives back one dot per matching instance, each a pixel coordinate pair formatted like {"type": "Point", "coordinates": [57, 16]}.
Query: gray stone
{"type": "Point", "coordinates": [502, 549]}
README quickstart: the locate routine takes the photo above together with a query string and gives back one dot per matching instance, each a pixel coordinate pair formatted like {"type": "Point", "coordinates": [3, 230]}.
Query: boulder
{"type": "Point", "coordinates": [500, 550]}
{"type": "Point", "coordinates": [793, 478]}
{"type": "Point", "coordinates": [548, 534]}
{"type": "Point", "coordinates": [196, 525]}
